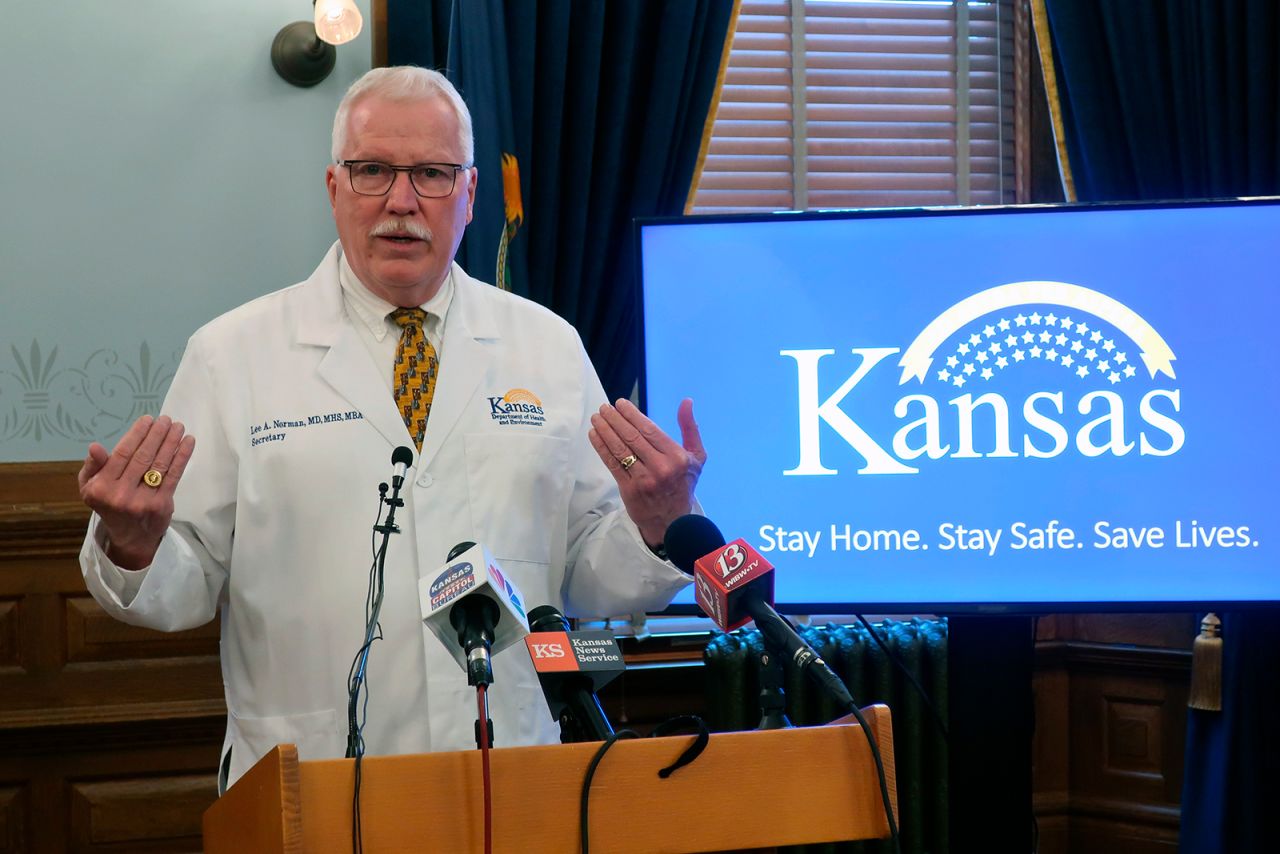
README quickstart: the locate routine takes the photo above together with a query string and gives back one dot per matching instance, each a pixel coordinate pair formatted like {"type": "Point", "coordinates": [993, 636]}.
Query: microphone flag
{"type": "Point", "coordinates": [723, 576]}
{"type": "Point", "coordinates": [473, 572]}
{"type": "Point", "coordinates": [592, 653]}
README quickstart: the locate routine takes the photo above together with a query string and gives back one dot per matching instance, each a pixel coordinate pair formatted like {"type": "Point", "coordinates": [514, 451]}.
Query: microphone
{"type": "Point", "coordinates": [401, 458]}
{"type": "Point", "coordinates": [571, 667]}
{"type": "Point", "coordinates": [474, 609]}
{"type": "Point", "coordinates": [733, 585]}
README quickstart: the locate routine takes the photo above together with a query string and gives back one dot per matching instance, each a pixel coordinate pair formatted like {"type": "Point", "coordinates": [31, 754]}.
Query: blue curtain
{"type": "Point", "coordinates": [418, 32]}
{"type": "Point", "coordinates": [1232, 779]}
{"type": "Point", "coordinates": [1169, 99]}
{"type": "Point", "coordinates": [595, 111]}
{"type": "Point", "coordinates": [1180, 99]}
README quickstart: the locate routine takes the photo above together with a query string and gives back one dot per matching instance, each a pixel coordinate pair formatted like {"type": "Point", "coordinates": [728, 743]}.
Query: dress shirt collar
{"type": "Point", "coordinates": [372, 310]}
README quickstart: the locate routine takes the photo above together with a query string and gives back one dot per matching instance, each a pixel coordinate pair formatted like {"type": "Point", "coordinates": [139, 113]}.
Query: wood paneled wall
{"type": "Point", "coordinates": [1111, 718]}
{"type": "Point", "coordinates": [109, 734]}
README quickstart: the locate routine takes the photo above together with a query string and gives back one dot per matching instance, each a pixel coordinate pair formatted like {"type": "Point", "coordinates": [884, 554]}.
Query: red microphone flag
{"type": "Point", "coordinates": [720, 578]}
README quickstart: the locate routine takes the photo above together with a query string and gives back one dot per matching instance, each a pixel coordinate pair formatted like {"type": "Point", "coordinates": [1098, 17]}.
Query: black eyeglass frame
{"type": "Point", "coordinates": [454, 169]}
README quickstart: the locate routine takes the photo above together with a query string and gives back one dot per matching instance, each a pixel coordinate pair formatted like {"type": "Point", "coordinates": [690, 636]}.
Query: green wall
{"type": "Point", "coordinates": [154, 172]}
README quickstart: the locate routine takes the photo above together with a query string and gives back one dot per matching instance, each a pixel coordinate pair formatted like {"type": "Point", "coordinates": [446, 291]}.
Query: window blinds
{"type": "Point", "coordinates": [863, 103]}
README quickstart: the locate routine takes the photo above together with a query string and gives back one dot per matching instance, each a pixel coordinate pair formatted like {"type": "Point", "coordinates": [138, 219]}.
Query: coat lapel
{"type": "Point", "coordinates": [346, 367]}
{"type": "Point", "coordinates": [349, 369]}
{"type": "Point", "coordinates": [469, 337]}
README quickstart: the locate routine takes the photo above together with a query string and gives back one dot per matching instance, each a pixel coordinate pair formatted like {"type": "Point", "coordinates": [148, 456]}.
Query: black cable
{"type": "Point", "coordinates": [584, 806]}
{"type": "Point", "coordinates": [357, 830]}
{"type": "Point", "coordinates": [898, 662]}
{"type": "Point", "coordinates": [665, 728]}
{"type": "Point", "coordinates": [884, 783]}
{"type": "Point", "coordinates": [358, 706]}
{"type": "Point", "coordinates": [835, 687]}
{"type": "Point", "coordinates": [354, 675]}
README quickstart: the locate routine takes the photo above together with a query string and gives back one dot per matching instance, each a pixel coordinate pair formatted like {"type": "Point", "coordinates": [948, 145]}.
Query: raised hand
{"type": "Point", "coordinates": [655, 476]}
{"type": "Point", "coordinates": [131, 487]}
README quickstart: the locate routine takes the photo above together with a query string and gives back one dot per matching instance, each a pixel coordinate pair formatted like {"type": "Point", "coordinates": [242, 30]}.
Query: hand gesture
{"type": "Point", "coordinates": [131, 488]}
{"type": "Point", "coordinates": [655, 476]}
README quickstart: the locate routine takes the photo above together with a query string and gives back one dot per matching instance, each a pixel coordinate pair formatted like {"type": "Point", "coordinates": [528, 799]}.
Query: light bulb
{"type": "Point", "coordinates": [337, 21]}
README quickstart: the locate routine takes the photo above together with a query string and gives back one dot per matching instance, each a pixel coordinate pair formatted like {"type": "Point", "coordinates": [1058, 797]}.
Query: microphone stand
{"type": "Point", "coordinates": [355, 746]}
{"type": "Point", "coordinates": [484, 740]}
{"type": "Point", "coordinates": [484, 723]}
{"type": "Point", "coordinates": [773, 703]}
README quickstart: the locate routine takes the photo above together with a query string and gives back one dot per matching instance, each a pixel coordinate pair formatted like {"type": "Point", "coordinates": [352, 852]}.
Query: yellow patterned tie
{"type": "Point", "coordinates": [415, 373]}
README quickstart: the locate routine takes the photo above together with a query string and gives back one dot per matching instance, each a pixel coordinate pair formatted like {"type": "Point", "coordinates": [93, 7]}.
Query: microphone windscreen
{"type": "Point", "coordinates": [689, 538]}
{"type": "Point", "coordinates": [546, 618]}
{"type": "Point", "coordinates": [458, 549]}
{"type": "Point", "coordinates": [402, 456]}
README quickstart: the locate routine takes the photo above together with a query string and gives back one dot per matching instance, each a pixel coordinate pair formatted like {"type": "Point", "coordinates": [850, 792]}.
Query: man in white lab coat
{"type": "Point", "coordinates": [268, 521]}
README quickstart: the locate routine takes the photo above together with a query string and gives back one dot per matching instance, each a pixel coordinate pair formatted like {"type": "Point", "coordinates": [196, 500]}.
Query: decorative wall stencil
{"type": "Point", "coordinates": [46, 396]}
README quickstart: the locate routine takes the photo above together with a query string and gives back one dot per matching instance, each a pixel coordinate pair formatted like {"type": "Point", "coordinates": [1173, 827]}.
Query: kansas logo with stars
{"type": "Point", "coordinates": [996, 336]}
{"type": "Point", "coordinates": [1027, 369]}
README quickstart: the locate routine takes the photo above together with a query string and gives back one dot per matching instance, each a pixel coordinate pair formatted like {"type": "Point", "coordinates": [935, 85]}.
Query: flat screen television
{"type": "Point", "coordinates": [1004, 409]}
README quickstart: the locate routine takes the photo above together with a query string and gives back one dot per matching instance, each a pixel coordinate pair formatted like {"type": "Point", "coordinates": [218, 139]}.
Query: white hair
{"type": "Point", "coordinates": [404, 83]}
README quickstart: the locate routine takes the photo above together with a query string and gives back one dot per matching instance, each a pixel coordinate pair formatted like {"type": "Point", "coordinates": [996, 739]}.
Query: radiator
{"type": "Point", "coordinates": [920, 749]}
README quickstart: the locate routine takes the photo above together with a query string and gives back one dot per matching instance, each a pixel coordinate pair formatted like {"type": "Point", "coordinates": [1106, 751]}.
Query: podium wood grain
{"type": "Point", "coordinates": [747, 790]}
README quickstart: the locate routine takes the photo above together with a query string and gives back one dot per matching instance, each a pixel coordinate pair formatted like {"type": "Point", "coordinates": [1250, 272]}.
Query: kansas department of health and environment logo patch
{"type": "Point", "coordinates": [517, 406]}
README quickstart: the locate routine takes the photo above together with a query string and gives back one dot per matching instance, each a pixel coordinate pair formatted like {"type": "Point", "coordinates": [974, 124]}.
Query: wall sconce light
{"type": "Point", "coordinates": [302, 52]}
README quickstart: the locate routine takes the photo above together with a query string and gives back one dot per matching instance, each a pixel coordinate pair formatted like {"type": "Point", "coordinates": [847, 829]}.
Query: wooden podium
{"type": "Point", "coordinates": [747, 790]}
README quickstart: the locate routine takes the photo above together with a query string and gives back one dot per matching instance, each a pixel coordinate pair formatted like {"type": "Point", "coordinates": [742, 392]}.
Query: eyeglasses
{"type": "Point", "coordinates": [430, 180]}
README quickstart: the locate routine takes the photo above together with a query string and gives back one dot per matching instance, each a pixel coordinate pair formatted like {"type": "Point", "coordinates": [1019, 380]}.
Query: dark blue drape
{"type": "Point", "coordinates": [602, 106]}
{"type": "Point", "coordinates": [418, 32]}
{"type": "Point", "coordinates": [1180, 99]}
{"type": "Point", "coordinates": [1169, 99]}
{"type": "Point", "coordinates": [1229, 795]}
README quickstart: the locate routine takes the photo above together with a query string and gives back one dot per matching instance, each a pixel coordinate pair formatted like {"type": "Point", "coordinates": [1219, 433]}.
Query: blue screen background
{"type": "Point", "coordinates": [723, 299]}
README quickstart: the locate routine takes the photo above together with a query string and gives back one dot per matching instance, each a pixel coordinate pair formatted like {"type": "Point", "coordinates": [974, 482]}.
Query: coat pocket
{"type": "Point", "coordinates": [518, 487]}
{"type": "Point", "coordinates": [317, 735]}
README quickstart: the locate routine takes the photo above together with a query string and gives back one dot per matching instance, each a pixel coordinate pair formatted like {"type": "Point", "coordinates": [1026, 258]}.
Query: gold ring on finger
{"type": "Point", "coordinates": [153, 478]}
{"type": "Point", "coordinates": [628, 461]}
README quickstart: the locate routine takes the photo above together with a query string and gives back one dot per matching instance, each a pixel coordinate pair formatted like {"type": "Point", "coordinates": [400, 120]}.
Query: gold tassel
{"type": "Point", "coordinates": [513, 208]}
{"type": "Point", "coordinates": [1206, 666]}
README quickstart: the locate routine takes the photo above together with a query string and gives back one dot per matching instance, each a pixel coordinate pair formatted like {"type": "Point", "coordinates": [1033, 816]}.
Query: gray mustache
{"type": "Point", "coordinates": [402, 226]}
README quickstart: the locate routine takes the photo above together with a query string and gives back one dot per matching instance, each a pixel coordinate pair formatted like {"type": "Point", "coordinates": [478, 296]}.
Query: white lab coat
{"type": "Point", "coordinates": [294, 430]}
